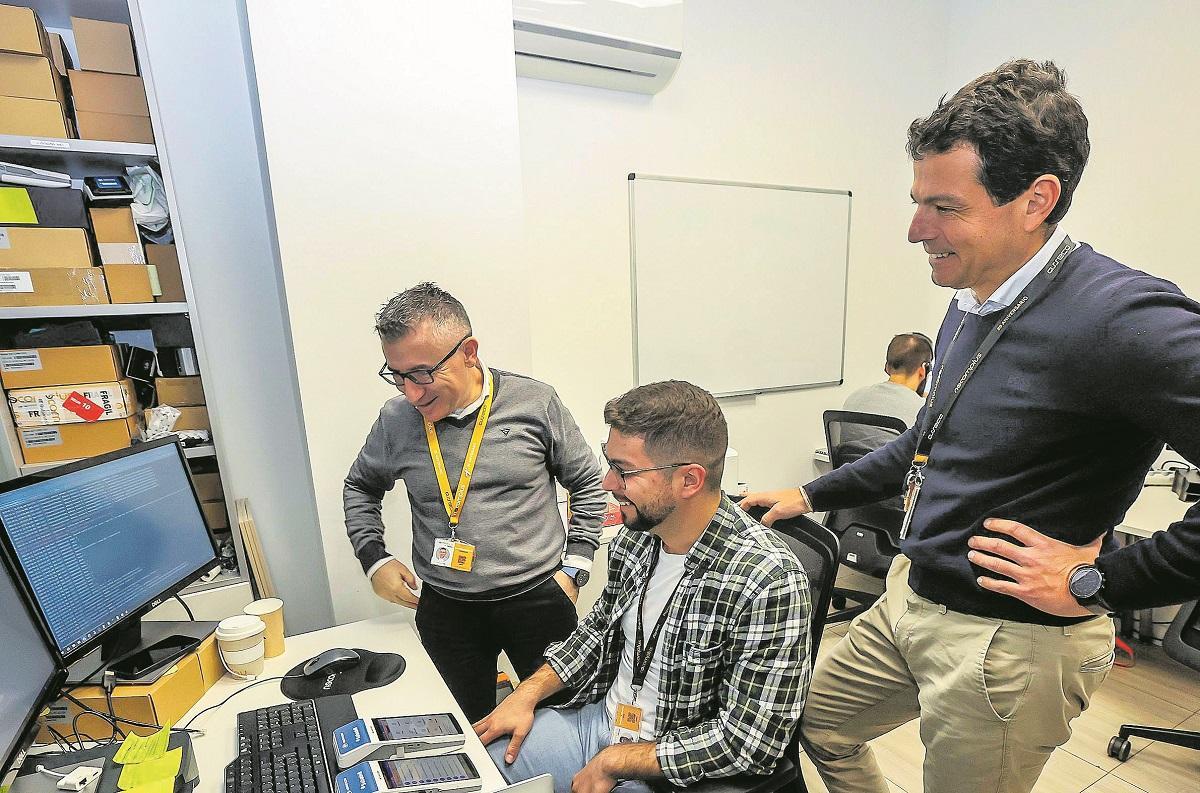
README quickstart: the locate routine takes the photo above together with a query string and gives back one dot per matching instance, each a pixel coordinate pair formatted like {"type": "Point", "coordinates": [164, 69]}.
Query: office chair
{"type": "Point", "coordinates": [869, 536]}
{"type": "Point", "coordinates": [817, 549]}
{"type": "Point", "coordinates": [1181, 643]}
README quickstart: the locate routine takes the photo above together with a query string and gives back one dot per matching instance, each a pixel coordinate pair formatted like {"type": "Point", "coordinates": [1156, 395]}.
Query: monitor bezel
{"type": "Point", "coordinates": [181, 583]}
{"type": "Point", "coordinates": [54, 683]}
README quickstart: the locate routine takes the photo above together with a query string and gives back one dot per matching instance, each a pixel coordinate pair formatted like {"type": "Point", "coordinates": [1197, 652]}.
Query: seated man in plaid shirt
{"type": "Point", "coordinates": [694, 663]}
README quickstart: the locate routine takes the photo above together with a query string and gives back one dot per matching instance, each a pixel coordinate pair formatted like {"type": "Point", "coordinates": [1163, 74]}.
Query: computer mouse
{"type": "Point", "coordinates": [337, 659]}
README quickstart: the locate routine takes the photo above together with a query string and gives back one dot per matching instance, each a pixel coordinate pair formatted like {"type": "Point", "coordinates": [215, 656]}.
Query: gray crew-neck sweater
{"type": "Point", "coordinates": [511, 514]}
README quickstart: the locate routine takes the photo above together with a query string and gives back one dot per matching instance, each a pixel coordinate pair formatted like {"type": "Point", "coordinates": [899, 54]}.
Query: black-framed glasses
{"type": "Point", "coordinates": [611, 466]}
{"type": "Point", "coordinates": [418, 376]}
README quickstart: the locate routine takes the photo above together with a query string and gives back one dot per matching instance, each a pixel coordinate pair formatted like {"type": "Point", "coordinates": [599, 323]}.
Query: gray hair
{"type": "Point", "coordinates": [425, 302]}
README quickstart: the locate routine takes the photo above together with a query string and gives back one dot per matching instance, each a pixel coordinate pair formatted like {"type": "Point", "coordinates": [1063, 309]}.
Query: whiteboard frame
{"type": "Point", "coordinates": [633, 292]}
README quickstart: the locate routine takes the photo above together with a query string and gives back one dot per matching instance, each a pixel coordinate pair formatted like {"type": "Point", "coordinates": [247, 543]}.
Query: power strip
{"type": "Point", "coordinates": [1160, 478]}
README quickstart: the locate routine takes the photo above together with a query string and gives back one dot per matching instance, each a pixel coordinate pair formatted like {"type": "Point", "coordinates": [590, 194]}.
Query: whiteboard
{"type": "Point", "coordinates": [739, 288]}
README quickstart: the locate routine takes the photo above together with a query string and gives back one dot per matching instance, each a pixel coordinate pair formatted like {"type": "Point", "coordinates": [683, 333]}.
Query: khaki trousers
{"type": "Point", "coordinates": [995, 698]}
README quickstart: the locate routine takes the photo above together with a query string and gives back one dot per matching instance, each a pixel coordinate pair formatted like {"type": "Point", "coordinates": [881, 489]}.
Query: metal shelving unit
{"type": "Point", "coordinates": [77, 157]}
{"type": "Point", "coordinates": [98, 310]}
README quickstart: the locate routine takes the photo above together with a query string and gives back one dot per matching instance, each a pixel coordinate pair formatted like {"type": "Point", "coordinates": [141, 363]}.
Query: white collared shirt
{"type": "Point", "coordinates": [471, 408]}
{"type": "Point", "coordinates": [1016, 283]}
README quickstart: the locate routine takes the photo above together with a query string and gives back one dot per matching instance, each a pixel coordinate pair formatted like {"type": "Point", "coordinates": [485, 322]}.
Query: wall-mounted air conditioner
{"type": "Point", "coordinates": [624, 45]}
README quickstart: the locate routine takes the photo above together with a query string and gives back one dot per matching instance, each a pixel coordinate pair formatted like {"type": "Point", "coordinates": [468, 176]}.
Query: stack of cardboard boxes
{"type": "Point", "coordinates": [69, 402]}
{"type": "Point", "coordinates": [32, 95]}
{"type": "Point", "coordinates": [186, 394]}
{"type": "Point", "coordinates": [106, 93]}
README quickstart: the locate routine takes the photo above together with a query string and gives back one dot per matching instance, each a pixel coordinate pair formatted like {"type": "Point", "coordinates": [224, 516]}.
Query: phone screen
{"type": "Point", "coordinates": [401, 728]}
{"type": "Point", "coordinates": [423, 771]}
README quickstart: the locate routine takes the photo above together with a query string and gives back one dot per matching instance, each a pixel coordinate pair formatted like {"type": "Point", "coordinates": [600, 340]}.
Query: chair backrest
{"type": "Point", "coordinates": [850, 434]}
{"type": "Point", "coordinates": [1182, 641]}
{"type": "Point", "coordinates": [817, 549]}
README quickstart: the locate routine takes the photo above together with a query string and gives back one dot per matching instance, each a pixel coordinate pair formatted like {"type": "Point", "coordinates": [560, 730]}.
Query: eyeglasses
{"type": "Point", "coordinates": [604, 462]}
{"type": "Point", "coordinates": [418, 376]}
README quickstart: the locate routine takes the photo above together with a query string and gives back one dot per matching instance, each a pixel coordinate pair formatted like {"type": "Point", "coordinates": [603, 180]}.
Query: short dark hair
{"type": "Point", "coordinates": [425, 302]}
{"type": "Point", "coordinates": [1021, 122]}
{"type": "Point", "coordinates": [679, 422]}
{"type": "Point", "coordinates": [907, 352]}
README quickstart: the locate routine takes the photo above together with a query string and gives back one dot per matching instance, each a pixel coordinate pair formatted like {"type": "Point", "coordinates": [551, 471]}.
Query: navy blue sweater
{"type": "Point", "coordinates": [1056, 429]}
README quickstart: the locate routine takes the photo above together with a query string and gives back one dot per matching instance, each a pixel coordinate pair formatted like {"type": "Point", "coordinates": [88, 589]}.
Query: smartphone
{"type": "Point", "coordinates": [396, 736]}
{"type": "Point", "coordinates": [444, 773]}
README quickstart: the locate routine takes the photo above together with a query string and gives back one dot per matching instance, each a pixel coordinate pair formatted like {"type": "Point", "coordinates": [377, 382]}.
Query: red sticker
{"type": "Point", "coordinates": [83, 407]}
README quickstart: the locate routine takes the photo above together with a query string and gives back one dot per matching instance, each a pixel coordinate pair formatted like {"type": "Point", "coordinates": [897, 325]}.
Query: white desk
{"type": "Point", "coordinates": [419, 690]}
{"type": "Point", "coordinates": [1155, 509]}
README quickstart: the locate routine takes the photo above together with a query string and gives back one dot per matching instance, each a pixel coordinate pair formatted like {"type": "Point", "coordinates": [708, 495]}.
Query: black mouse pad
{"type": "Point", "coordinates": [375, 670]}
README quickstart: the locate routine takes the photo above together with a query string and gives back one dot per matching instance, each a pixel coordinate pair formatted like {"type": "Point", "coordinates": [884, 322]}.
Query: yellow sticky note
{"type": "Point", "coordinates": [15, 206]}
{"type": "Point", "coordinates": [136, 749]}
{"type": "Point", "coordinates": [135, 775]}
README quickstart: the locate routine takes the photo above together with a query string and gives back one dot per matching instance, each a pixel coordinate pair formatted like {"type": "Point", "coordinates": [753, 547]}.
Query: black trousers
{"type": "Point", "coordinates": [464, 638]}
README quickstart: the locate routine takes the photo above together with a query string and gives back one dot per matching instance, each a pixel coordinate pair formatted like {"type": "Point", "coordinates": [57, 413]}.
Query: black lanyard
{"type": "Point", "coordinates": [934, 419]}
{"type": "Point", "coordinates": [643, 655]}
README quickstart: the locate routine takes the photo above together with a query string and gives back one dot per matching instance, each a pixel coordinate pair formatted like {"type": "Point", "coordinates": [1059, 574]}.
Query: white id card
{"type": "Point", "coordinates": [443, 552]}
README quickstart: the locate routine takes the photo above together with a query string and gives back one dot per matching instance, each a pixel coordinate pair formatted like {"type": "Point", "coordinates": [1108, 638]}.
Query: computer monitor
{"type": "Point", "coordinates": [100, 542]}
{"type": "Point", "coordinates": [32, 672]}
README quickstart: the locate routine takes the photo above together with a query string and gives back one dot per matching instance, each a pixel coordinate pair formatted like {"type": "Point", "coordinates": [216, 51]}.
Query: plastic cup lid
{"type": "Point", "coordinates": [240, 626]}
{"type": "Point", "coordinates": [263, 606]}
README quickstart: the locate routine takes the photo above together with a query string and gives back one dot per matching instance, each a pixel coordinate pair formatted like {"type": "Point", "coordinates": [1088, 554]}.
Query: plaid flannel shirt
{"type": "Point", "coordinates": [736, 641]}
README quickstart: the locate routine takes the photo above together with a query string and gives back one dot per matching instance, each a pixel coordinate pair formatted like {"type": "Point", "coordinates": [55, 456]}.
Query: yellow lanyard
{"type": "Point", "coordinates": [454, 500]}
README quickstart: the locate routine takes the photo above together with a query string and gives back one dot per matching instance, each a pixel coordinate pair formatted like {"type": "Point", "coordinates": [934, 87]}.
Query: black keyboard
{"type": "Point", "coordinates": [279, 751]}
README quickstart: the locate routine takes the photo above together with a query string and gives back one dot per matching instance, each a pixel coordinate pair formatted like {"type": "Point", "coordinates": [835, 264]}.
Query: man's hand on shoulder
{"type": "Point", "coordinates": [1039, 566]}
{"type": "Point", "coordinates": [396, 583]}
{"type": "Point", "coordinates": [513, 716]}
{"type": "Point", "coordinates": [782, 503]}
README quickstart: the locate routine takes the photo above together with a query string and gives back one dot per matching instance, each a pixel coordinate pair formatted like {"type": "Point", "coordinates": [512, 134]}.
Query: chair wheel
{"type": "Point", "coordinates": [838, 603]}
{"type": "Point", "coordinates": [1119, 748]}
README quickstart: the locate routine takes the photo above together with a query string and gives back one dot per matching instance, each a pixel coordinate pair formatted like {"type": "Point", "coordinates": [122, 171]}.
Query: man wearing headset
{"type": "Point", "coordinates": [909, 359]}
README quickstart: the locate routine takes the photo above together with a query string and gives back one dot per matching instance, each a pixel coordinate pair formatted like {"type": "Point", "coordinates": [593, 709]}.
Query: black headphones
{"type": "Point", "coordinates": [927, 365]}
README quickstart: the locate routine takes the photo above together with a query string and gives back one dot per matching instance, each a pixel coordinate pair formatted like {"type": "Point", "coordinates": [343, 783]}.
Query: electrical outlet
{"type": "Point", "coordinates": [1160, 478]}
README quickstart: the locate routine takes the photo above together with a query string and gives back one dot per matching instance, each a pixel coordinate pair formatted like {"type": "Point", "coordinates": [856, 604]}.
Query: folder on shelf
{"type": "Point", "coordinates": [16, 206]}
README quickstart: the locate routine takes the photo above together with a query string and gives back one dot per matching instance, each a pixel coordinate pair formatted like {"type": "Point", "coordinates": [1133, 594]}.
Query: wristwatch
{"type": "Point", "coordinates": [578, 575]}
{"type": "Point", "coordinates": [1086, 584]}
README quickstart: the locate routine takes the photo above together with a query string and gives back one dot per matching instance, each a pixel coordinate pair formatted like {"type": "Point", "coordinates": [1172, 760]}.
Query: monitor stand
{"type": "Point", "coordinates": [142, 652]}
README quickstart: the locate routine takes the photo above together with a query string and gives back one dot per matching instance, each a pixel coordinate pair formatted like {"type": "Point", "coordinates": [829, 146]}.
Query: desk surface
{"type": "Point", "coordinates": [1155, 509]}
{"type": "Point", "coordinates": [419, 690]}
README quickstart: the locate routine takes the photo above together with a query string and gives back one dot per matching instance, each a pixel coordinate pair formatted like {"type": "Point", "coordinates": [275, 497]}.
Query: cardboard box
{"type": "Point", "coordinates": [113, 224]}
{"type": "Point", "coordinates": [72, 404]}
{"type": "Point", "coordinates": [52, 286]}
{"type": "Point", "coordinates": [97, 92]}
{"type": "Point", "coordinates": [109, 126]}
{"type": "Point", "coordinates": [190, 418]}
{"type": "Point", "coordinates": [208, 487]}
{"type": "Point", "coordinates": [211, 668]}
{"type": "Point", "coordinates": [34, 247]}
{"type": "Point", "coordinates": [170, 279]}
{"type": "Point", "coordinates": [60, 56]}
{"type": "Point", "coordinates": [29, 76]}
{"type": "Point", "coordinates": [179, 392]}
{"type": "Point", "coordinates": [128, 283]}
{"type": "Point", "coordinates": [47, 366]}
{"type": "Point", "coordinates": [104, 46]}
{"type": "Point", "coordinates": [64, 442]}
{"type": "Point", "coordinates": [165, 700]}
{"type": "Point", "coordinates": [215, 516]}
{"type": "Point", "coordinates": [35, 118]}
{"type": "Point", "coordinates": [22, 31]}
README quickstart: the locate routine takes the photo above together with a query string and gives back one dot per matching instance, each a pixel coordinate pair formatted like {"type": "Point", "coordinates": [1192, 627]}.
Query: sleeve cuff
{"type": "Point", "coordinates": [375, 567]}
{"type": "Point", "coordinates": [370, 556]}
{"type": "Point", "coordinates": [578, 561]}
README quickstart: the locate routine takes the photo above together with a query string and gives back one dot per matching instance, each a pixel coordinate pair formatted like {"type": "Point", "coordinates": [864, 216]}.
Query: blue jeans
{"type": "Point", "coordinates": [561, 743]}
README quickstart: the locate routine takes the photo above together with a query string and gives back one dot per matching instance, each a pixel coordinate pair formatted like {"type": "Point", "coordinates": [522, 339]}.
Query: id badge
{"type": "Point", "coordinates": [443, 552]}
{"type": "Point", "coordinates": [463, 556]}
{"type": "Point", "coordinates": [627, 724]}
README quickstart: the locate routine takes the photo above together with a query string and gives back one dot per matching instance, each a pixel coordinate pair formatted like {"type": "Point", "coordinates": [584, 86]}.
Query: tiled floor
{"type": "Point", "coordinates": [1155, 691]}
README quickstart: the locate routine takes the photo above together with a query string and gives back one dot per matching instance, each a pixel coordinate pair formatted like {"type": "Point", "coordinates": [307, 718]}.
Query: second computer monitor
{"type": "Point", "coordinates": [102, 541]}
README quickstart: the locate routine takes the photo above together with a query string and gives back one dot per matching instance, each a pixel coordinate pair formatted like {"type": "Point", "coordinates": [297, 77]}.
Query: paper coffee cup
{"type": "Point", "coordinates": [270, 611]}
{"type": "Point", "coordinates": [241, 642]}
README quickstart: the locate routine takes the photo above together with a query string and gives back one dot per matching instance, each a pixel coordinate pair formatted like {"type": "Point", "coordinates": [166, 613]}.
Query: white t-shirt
{"type": "Point", "coordinates": [667, 574]}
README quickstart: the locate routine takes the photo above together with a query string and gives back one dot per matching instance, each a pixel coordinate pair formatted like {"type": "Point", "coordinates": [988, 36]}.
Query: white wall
{"type": "Point", "coordinates": [807, 94]}
{"type": "Point", "coordinates": [391, 137]}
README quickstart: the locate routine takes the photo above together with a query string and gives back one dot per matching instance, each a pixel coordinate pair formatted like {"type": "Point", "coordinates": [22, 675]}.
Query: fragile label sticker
{"type": "Point", "coordinates": [14, 281]}
{"type": "Point", "coordinates": [41, 436]}
{"type": "Point", "coordinates": [20, 361]}
{"type": "Point", "coordinates": [5, 242]}
{"type": "Point", "coordinates": [83, 407]}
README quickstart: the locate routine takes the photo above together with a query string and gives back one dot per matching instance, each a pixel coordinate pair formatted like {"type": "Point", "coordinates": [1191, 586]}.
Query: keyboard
{"type": "Point", "coordinates": [279, 751]}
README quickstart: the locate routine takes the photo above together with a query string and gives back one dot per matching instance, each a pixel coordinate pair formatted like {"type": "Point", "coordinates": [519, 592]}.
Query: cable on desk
{"type": "Point", "coordinates": [103, 715]}
{"type": "Point", "coordinates": [191, 616]}
{"type": "Point", "coordinates": [235, 693]}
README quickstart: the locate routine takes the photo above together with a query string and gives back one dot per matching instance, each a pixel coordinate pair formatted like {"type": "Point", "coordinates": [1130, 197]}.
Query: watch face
{"type": "Point", "coordinates": [1086, 582]}
{"type": "Point", "coordinates": [582, 577]}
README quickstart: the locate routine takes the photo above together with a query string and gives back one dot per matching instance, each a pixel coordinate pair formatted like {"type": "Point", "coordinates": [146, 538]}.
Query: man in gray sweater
{"type": "Point", "coordinates": [479, 451]}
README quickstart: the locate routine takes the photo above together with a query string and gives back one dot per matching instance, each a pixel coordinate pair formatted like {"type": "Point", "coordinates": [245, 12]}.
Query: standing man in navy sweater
{"type": "Point", "coordinates": [1061, 373]}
